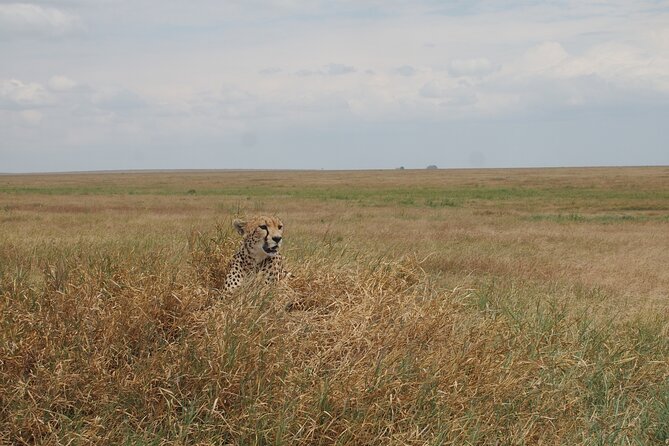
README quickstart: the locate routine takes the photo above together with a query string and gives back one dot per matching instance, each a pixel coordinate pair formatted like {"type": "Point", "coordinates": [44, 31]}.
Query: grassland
{"type": "Point", "coordinates": [428, 307]}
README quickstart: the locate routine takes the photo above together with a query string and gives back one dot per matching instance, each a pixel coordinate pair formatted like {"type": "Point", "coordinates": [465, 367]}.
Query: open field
{"type": "Point", "coordinates": [429, 307]}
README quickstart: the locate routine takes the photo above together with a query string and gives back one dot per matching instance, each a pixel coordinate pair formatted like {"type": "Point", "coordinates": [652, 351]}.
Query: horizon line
{"type": "Point", "coordinates": [204, 170]}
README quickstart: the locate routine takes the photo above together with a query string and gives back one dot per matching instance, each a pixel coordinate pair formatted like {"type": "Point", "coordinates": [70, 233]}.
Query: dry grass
{"type": "Point", "coordinates": [449, 307]}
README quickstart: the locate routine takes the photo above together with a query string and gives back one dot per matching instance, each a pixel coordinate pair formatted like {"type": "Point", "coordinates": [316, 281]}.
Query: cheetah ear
{"type": "Point", "coordinates": [239, 225]}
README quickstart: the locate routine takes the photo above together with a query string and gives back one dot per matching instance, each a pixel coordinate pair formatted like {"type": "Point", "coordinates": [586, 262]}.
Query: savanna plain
{"type": "Point", "coordinates": [440, 307]}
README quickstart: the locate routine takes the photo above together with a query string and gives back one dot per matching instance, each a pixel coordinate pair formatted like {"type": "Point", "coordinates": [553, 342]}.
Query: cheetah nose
{"type": "Point", "coordinates": [277, 238]}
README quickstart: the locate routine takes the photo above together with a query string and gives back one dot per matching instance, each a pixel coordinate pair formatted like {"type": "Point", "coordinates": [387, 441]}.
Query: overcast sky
{"type": "Point", "coordinates": [102, 84]}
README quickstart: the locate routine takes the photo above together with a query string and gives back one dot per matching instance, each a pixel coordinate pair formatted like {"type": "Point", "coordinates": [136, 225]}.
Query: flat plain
{"type": "Point", "coordinates": [496, 306]}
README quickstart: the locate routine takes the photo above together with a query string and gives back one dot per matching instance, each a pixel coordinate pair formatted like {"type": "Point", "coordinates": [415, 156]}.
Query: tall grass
{"type": "Point", "coordinates": [123, 347]}
{"type": "Point", "coordinates": [427, 307]}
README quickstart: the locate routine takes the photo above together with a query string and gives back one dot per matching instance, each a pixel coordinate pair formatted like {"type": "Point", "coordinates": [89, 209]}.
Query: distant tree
{"type": "Point", "coordinates": [432, 166]}
{"type": "Point", "coordinates": [400, 168]}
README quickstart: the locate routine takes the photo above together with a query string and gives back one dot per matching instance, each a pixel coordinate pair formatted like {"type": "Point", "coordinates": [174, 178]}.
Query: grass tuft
{"type": "Point", "coordinates": [133, 352]}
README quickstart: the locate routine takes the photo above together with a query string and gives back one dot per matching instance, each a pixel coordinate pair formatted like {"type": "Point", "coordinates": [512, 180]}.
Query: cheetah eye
{"type": "Point", "coordinates": [280, 226]}
{"type": "Point", "coordinates": [263, 227]}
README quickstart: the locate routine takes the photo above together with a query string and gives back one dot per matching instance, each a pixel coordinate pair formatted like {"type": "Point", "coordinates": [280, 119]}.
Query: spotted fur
{"type": "Point", "coordinates": [258, 254]}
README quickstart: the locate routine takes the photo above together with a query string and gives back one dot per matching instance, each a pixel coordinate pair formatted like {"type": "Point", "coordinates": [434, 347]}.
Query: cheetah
{"type": "Point", "coordinates": [258, 253]}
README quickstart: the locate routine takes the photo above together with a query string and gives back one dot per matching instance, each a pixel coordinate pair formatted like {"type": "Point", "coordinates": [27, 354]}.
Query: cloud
{"type": "Point", "coordinates": [433, 90]}
{"type": "Point", "coordinates": [31, 116]}
{"type": "Point", "coordinates": [449, 95]}
{"type": "Point", "coordinates": [26, 19]}
{"type": "Point", "coordinates": [459, 97]}
{"type": "Point", "coordinates": [230, 106]}
{"type": "Point", "coordinates": [115, 99]}
{"type": "Point", "coordinates": [61, 83]}
{"type": "Point", "coordinates": [333, 69]}
{"type": "Point", "coordinates": [604, 75]}
{"type": "Point", "coordinates": [405, 70]}
{"type": "Point", "coordinates": [623, 65]}
{"type": "Point", "coordinates": [470, 67]}
{"type": "Point", "coordinates": [269, 71]}
{"type": "Point", "coordinates": [305, 72]}
{"type": "Point", "coordinates": [336, 69]}
{"type": "Point", "coordinates": [543, 57]}
{"type": "Point", "coordinates": [17, 95]}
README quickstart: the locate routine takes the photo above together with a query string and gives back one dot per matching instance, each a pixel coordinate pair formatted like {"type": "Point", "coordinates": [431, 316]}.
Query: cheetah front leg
{"type": "Point", "coordinates": [233, 278]}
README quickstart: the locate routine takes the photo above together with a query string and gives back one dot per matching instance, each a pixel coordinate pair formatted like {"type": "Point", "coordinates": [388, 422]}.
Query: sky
{"type": "Point", "coordinates": [327, 84]}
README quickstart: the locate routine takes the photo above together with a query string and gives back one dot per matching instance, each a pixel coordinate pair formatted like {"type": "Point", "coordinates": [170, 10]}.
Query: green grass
{"type": "Point", "coordinates": [427, 197]}
{"type": "Point", "coordinates": [601, 219]}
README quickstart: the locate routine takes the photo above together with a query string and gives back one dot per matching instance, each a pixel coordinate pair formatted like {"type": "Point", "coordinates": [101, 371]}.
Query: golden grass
{"type": "Point", "coordinates": [449, 307]}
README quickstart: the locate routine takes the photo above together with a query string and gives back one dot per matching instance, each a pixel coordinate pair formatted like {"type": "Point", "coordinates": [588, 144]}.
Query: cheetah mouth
{"type": "Point", "coordinates": [270, 250]}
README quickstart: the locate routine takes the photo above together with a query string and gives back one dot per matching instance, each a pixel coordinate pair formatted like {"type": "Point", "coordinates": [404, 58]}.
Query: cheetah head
{"type": "Point", "coordinates": [262, 236]}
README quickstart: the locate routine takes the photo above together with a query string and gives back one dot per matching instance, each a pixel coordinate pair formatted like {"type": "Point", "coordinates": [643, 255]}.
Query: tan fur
{"type": "Point", "coordinates": [258, 253]}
